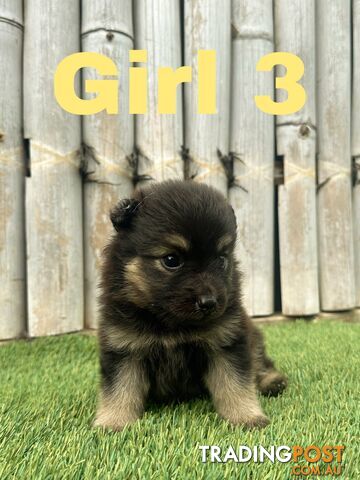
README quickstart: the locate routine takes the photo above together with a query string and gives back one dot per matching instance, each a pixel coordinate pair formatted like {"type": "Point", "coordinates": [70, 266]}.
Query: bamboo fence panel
{"type": "Point", "coordinates": [356, 139]}
{"type": "Point", "coordinates": [56, 192]}
{"type": "Point", "coordinates": [53, 192]}
{"type": "Point", "coordinates": [12, 238]}
{"type": "Point", "coordinates": [296, 141]}
{"type": "Point", "coordinates": [252, 143]}
{"type": "Point", "coordinates": [336, 248]}
{"type": "Point", "coordinates": [159, 137]}
{"type": "Point", "coordinates": [207, 26]}
{"type": "Point", "coordinates": [107, 28]}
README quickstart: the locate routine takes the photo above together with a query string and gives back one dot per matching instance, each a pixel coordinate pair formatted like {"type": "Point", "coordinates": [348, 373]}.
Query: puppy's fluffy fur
{"type": "Point", "coordinates": [172, 323]}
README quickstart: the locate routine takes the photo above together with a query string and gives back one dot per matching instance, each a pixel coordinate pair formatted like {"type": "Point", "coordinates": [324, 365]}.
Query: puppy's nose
{"type": "Point", "coordinates": [206, 303]}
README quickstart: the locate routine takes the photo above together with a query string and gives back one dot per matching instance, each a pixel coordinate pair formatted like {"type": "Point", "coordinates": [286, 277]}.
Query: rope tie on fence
{"type": "Point", "coordinates": [329, 171]}
{"type": "Point", "coordinates": [157, 170]}
{"type": "Point", "coordinates": [49, 156]}
{"type": "Point", "coordinates": [294, 172]}
{"type": "Point", "coordinates": [110, 166]}
{"type": "Point", "coordinates": [209, 168]}
{"type": "Point", "coordinates": [8, 158]}
{"type": "Point", "coordinates": [263, 172]}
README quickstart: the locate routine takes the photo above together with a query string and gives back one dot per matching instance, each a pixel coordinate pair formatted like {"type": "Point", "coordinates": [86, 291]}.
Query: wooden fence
{"type": "Point", "coordinates": [293, 180]}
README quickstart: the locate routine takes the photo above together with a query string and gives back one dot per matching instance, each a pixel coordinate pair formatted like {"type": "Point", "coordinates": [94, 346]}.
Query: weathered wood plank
{"type": "Point", "coordinates": [159, 137]}
{"type": "Point", "coordinates": [297, 221]}
{"type": "Point", "coordinates": [252, 141]}
{"type": "Point", "coordinates": [107, 15]}
{"type": "Point", "coordinates": [356, 139]}
{"type": "Point", "coordinates": [296, 141]}
{"type": "Point", "coordinates": [206, 134]}
{"type": "Point", "coordinates": [107, 28]}
{"type": "Point", "coordinates": [12, 230]}
{"type": "Point", "coordinates": [336, 248]}
{"type": "Point", "coordinates": [53, 192]}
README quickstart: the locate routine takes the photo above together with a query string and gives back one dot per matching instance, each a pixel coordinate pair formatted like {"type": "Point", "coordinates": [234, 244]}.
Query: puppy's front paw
{"type": "Point", "coordinates": [256, 420]}
{"type": "Point", "coordinates": [110, 421]}
{"type": "Point", "coordinates": [272, 384]}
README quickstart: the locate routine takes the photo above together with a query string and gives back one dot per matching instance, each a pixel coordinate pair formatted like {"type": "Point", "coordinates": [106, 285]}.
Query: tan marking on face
{"type": "Point", "coordinates": [234, 400]}
{"type": "Point", "coordinates": [137, 288]}
{"type": "Point", "coordinates": [224, 242]}
{"type": "Point", "coordinates": [177, 241]}
{"type": "Point", "coordinates": [124, 403]}
{"type": "Point", "coordinates": [158, 264]}
{"type": "Point", "coordinates": [160, 251]}
{"type": "Point", "coordinates": [171, 242]}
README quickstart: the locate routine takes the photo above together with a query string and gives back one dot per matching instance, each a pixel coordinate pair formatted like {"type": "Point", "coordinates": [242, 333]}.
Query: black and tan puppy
{"type": "Point", "coordinates": [172, 324]}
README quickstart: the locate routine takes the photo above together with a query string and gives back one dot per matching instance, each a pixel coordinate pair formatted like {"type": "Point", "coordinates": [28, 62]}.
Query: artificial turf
{"type": "Point", "coordinates": [48, 395]}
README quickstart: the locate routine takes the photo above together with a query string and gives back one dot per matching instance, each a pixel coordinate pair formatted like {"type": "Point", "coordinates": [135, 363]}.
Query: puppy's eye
{"type": "Point", "coordinates": [172, 261]}
{"type": "Point", "coordinates": [223, 261]}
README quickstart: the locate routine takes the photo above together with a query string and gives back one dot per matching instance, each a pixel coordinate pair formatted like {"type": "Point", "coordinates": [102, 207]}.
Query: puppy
{"type": "Point", "coordinates": [172, 324]}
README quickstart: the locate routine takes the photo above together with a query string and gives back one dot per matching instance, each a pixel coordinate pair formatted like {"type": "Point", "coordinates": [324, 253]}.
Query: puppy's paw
{"type": "Point", "coordinates": [112, 422]}
{"type": "Point", "coordinates": [272, 383]}
{"type": "Point", "coordinates": [257, 422]}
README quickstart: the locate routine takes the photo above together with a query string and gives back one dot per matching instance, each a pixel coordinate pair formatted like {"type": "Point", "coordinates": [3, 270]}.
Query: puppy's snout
{"type": "Point", "coordinates": [206, 303]}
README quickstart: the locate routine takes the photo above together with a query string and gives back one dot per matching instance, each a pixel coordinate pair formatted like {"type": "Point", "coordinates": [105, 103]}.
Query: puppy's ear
{"type": "Point", "coordinates": [123, 213]}
{"type": "Point", "coordinates": [234, 216]}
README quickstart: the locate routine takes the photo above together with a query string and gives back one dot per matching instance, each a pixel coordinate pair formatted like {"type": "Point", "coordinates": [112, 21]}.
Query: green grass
{"type": "Point", "coordinates": [48, 397]}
